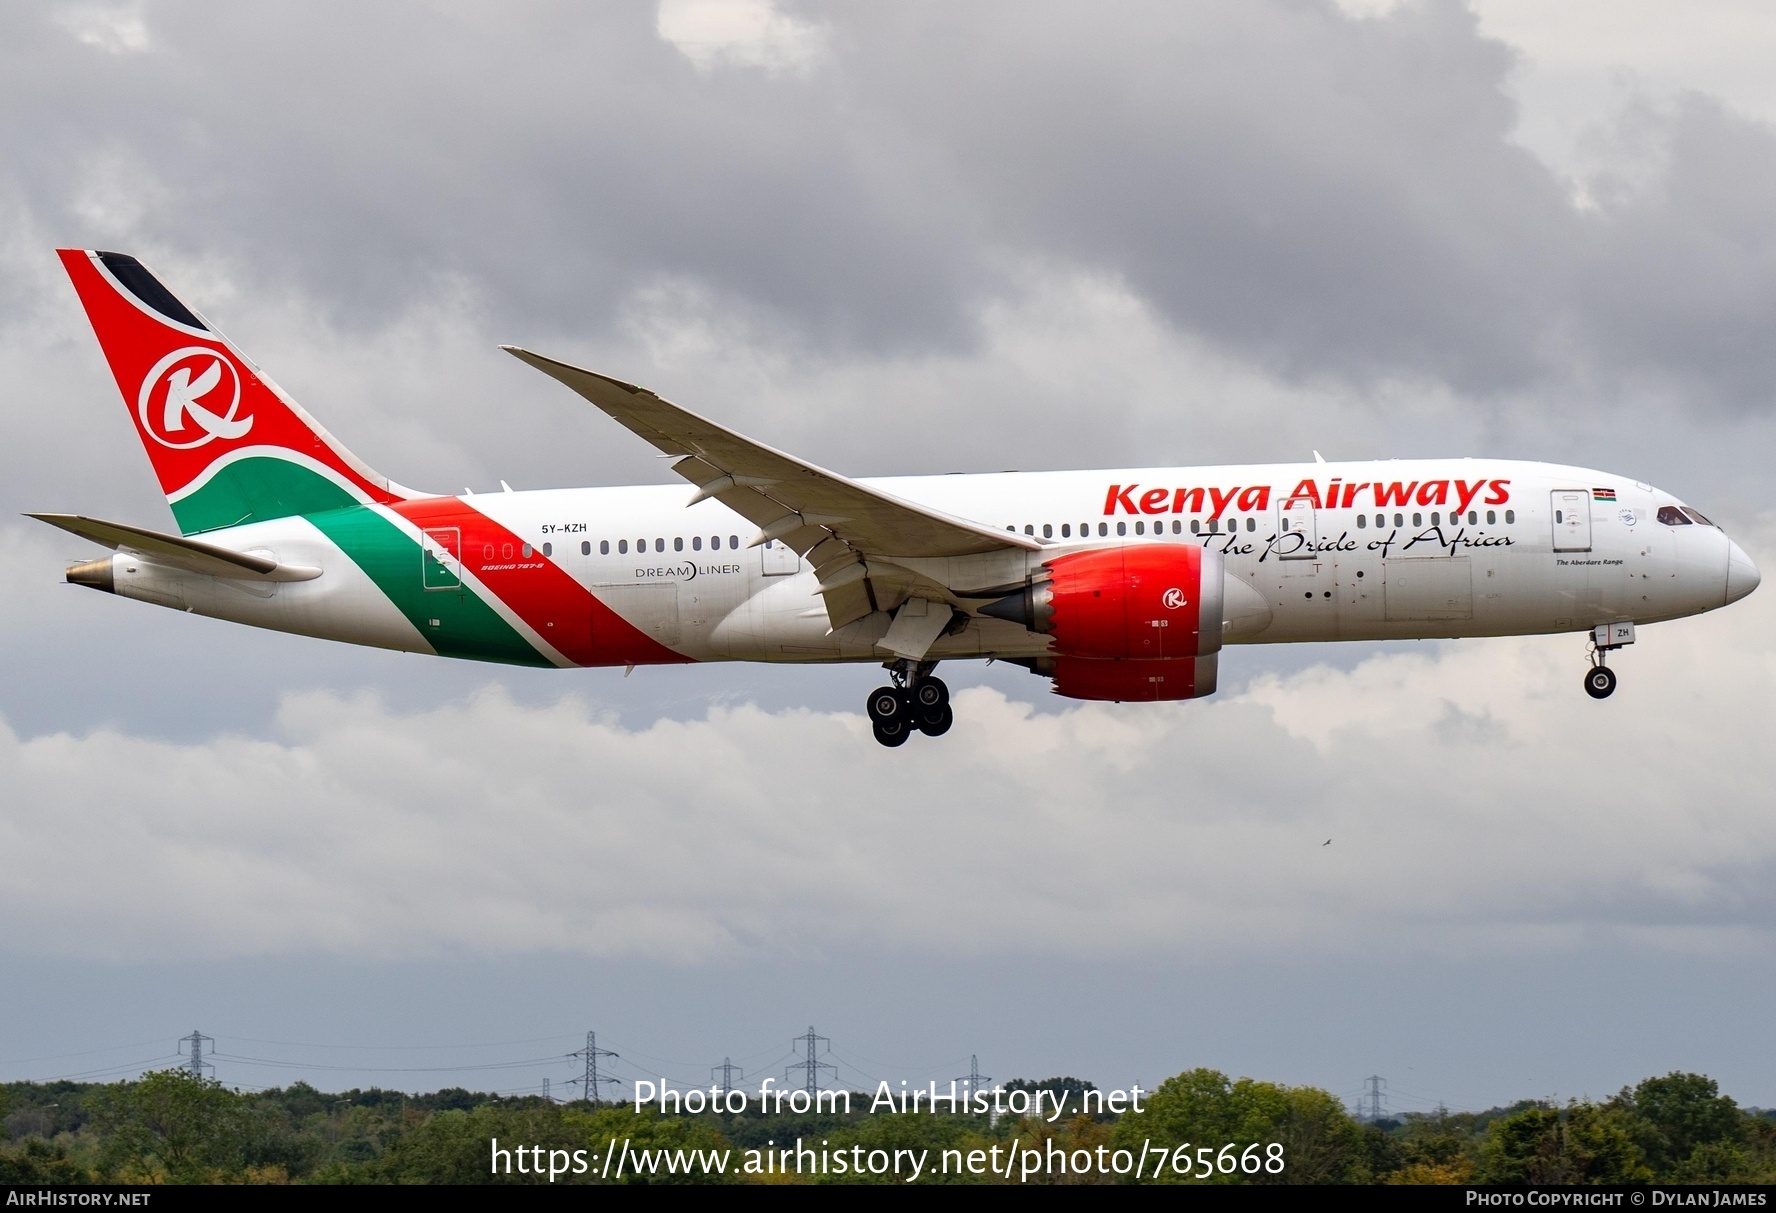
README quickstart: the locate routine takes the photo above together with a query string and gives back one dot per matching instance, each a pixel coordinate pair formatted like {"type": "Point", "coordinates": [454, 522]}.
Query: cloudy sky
{"type": "Point", "coordinates": [908, 238]}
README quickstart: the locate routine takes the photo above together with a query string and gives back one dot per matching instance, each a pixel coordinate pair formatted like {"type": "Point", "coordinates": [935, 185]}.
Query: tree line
{"type": "Point", "coordinates": [172, 1127]}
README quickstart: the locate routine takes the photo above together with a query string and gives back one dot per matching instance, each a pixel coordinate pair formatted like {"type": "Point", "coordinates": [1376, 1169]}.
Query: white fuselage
{"type": "Point", "coordinates": [1477, 548]}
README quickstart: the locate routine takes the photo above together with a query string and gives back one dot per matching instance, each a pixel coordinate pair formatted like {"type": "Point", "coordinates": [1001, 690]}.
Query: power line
{"type": "Point", "coordinates": [492, 1044]}
{"type": "Point", "coordinates": [1376, 1084]}
{"type": "Point", "coordinates": [195, 1059]}
{"type": "Point", "coordinates": [811, 1065]}
{"type": "Point", "coordinates": [319, 1065]}
{"type": "Point", "coordinates": [591, 1084]}
{"type": "Point", "coordinates": [729, 1071]}
{"type": "Point", "coordinates": [974, 1078]}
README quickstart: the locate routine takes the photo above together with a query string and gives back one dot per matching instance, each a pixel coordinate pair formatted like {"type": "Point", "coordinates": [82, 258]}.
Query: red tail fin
{"type": "Point", "coordinates": [228, 446]}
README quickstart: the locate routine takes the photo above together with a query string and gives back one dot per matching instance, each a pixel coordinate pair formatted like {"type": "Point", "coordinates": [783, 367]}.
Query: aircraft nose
{"type": "Point", "coordinates": [1742, 574]}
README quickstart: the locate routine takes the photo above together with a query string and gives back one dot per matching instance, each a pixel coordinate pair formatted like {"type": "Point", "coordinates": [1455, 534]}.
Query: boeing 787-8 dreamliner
{"type": "Point", "coordinates": [1116, 585]}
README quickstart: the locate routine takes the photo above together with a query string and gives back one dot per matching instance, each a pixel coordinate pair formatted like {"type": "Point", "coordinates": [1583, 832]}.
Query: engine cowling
{"type": "Point", "coordinates": [1133, 679]}
{"type": "Point", "coordinates": [1139, 622]}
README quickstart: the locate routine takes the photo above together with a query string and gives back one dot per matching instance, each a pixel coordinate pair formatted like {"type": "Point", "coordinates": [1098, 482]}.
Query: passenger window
{"type": "Point", "coordinates": [659, 545]}
{"type": "Point", "coordinates": [1122, 528]}
{"type": "Point", "coordinates": [1510, 516]}
{"type": "Point", "coordinates": [586, 547]}
{"type": "Point", "coordinates": [1473, 517]}
{"type": "Point", "coordinates": [678, 543]}
{"type": "Point", "coordinates": [1195, 527]}
{"type": "Point", "coordinates": [505, 551]}
{"type": "Point", "coordinates": [1066, 530]}
{"type": "Point", "coordinates": [1029, 530]}
{"type": "Point", "coordinates": [1362, 521]}
{"type": "Point", "coordinates": [734, 542]}
{"type": "Point", "coordinates": [622, 547]}
{"type": "Point", "coordinates": [1696, 517]}
{"type": "Point", "coordinates": [1491, 517]}
{"type": "Point", "coordinates": [1399, 520]}
{"type": "Point", "coordinates": [1103, 529]}
{"type": "Point", "coordinates": [548, 549]}
{"type": "Point", "coordinates": [1670, 515]}
{"type": "Point", "coordinates": [1048, 531]}
{"type": "Point", "coordinates": [696, 543]}
{"type": "Point", "coordinates": [715, 543]}
{"type": "Point", "coordinates": [1436, 518]}
{"type": "Point", "coordinates": [487, 552]}
{"type": "Point", "coordinates": [1140, 528]}
{"type": "Point", "coordinates": [1418, 520]}
{"type": "Point", "coordinates": [604, 547]}
{"type": "Point", "coordinates": [1251, 524]}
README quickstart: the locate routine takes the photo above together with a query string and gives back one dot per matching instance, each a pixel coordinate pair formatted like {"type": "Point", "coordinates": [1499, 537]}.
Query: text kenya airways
{"type": "Point", "coordinates": [1307, 492]}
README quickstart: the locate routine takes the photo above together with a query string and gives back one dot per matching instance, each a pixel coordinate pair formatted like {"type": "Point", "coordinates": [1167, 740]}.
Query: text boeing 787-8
{"type": "Point", "coordinates": [1118, 585]}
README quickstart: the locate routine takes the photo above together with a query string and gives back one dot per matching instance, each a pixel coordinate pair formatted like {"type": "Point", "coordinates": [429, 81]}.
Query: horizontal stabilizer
{"type": "Point", "coordinates": [175, 550]}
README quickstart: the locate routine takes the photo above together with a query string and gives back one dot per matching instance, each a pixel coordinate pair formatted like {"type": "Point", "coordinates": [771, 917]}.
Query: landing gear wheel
{"type": "Point", "coordinates": [1600, 681]}
{"type": "Point", "coordinates": [930, 693]}
{"type": "Point", "coordinates": [935, 722]}
{"type": "Point", "coordinates": [888, 705]}
{"type": "Point", "coordinates": [891, 733]}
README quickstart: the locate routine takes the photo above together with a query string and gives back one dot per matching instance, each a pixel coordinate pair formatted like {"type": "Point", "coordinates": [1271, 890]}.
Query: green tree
{"type": "Point", "coordinates": [1582, 1143]}
{"type": "Point", "coordinates": [173, 1125]}
{"type": "Point", "coordinates": [1688, 1130]}
{"type": "Point", "coordinates": [456, 1147]}
{"type": "Point", "coordinates": [1320, 1141]}
{"type": "Point", "coordinates": [38, 1162]}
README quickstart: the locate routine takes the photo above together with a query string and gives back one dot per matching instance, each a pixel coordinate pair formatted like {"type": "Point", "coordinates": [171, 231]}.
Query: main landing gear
{"type": "Point", "coordinates": [915, 700]}
{"type": "Point", "coordinates": [1600, 680]}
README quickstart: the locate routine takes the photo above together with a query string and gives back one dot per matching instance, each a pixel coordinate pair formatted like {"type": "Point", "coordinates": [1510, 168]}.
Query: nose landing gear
{"type": "Point", "coordinates": [1600, 680]}
{"type": "Point", "coordinates": [915, 700]}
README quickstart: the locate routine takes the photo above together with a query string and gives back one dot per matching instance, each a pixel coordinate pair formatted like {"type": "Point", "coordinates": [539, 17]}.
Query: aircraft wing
{"type": "Point", "coordinates": [837, 523]}
{"type": "Point", "coordinates": [176, 550]}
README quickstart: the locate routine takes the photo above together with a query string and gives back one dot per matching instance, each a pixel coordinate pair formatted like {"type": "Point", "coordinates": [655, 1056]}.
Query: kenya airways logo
{"type": "Point", "coordinates": [192, 396]}
{"type": "Point", "coordinates": [1173, 599]}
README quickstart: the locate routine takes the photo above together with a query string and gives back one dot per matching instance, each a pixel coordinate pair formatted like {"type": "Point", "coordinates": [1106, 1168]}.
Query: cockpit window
{"type": "Point", "coordinates": [1670, 515]}
{"type": "Point", "coordinates": [1696, 517]}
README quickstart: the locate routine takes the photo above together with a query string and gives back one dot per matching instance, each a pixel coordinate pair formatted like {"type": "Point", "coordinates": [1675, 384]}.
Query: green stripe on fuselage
{"type": "Point", "coordinates": [256, 489]}
{"type": "Point", "coordinates": [455, 621]}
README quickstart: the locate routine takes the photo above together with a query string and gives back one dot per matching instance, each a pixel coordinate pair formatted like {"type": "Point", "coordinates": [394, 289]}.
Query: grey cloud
{"type": "Point", "coordinates": [1474, 811]}
{"type": "Point", "coordinates": [1329, 196]}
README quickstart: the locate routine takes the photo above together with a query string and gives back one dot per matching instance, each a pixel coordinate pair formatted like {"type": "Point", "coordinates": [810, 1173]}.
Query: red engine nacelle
{"type": "Point", "coordinates": [1150, 601]}
{"type": "Point", "coordinates": [1133, 679]}
{"type": "Point", "coordinates": [1136, 622]}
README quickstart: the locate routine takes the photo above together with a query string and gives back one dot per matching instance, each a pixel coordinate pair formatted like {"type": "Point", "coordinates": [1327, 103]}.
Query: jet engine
{"type": "Point", "coordinates": [1140, 622]}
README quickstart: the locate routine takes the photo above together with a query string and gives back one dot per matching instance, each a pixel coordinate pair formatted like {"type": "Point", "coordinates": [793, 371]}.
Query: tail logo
{"type": "Point", "coordinates": [192, 396]}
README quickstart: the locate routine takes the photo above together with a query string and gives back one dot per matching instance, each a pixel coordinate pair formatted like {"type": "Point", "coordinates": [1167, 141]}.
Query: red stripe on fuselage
{"type": "Point", "coordinates": [559, 609]}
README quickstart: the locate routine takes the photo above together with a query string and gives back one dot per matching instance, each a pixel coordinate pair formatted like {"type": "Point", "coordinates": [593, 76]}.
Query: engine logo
{"type": "Point", "coordinates": [184, 401]}
{"type": "Point", "coordinates": [1174, 598]}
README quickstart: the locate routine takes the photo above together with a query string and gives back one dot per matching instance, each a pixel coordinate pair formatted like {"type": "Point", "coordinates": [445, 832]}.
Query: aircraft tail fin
{"type": "Point", "coordinates": [227, 444]}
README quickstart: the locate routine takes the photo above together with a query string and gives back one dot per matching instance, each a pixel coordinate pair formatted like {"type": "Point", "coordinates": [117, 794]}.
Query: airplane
{"type": "Point", "coordinates": [1120, 585]}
